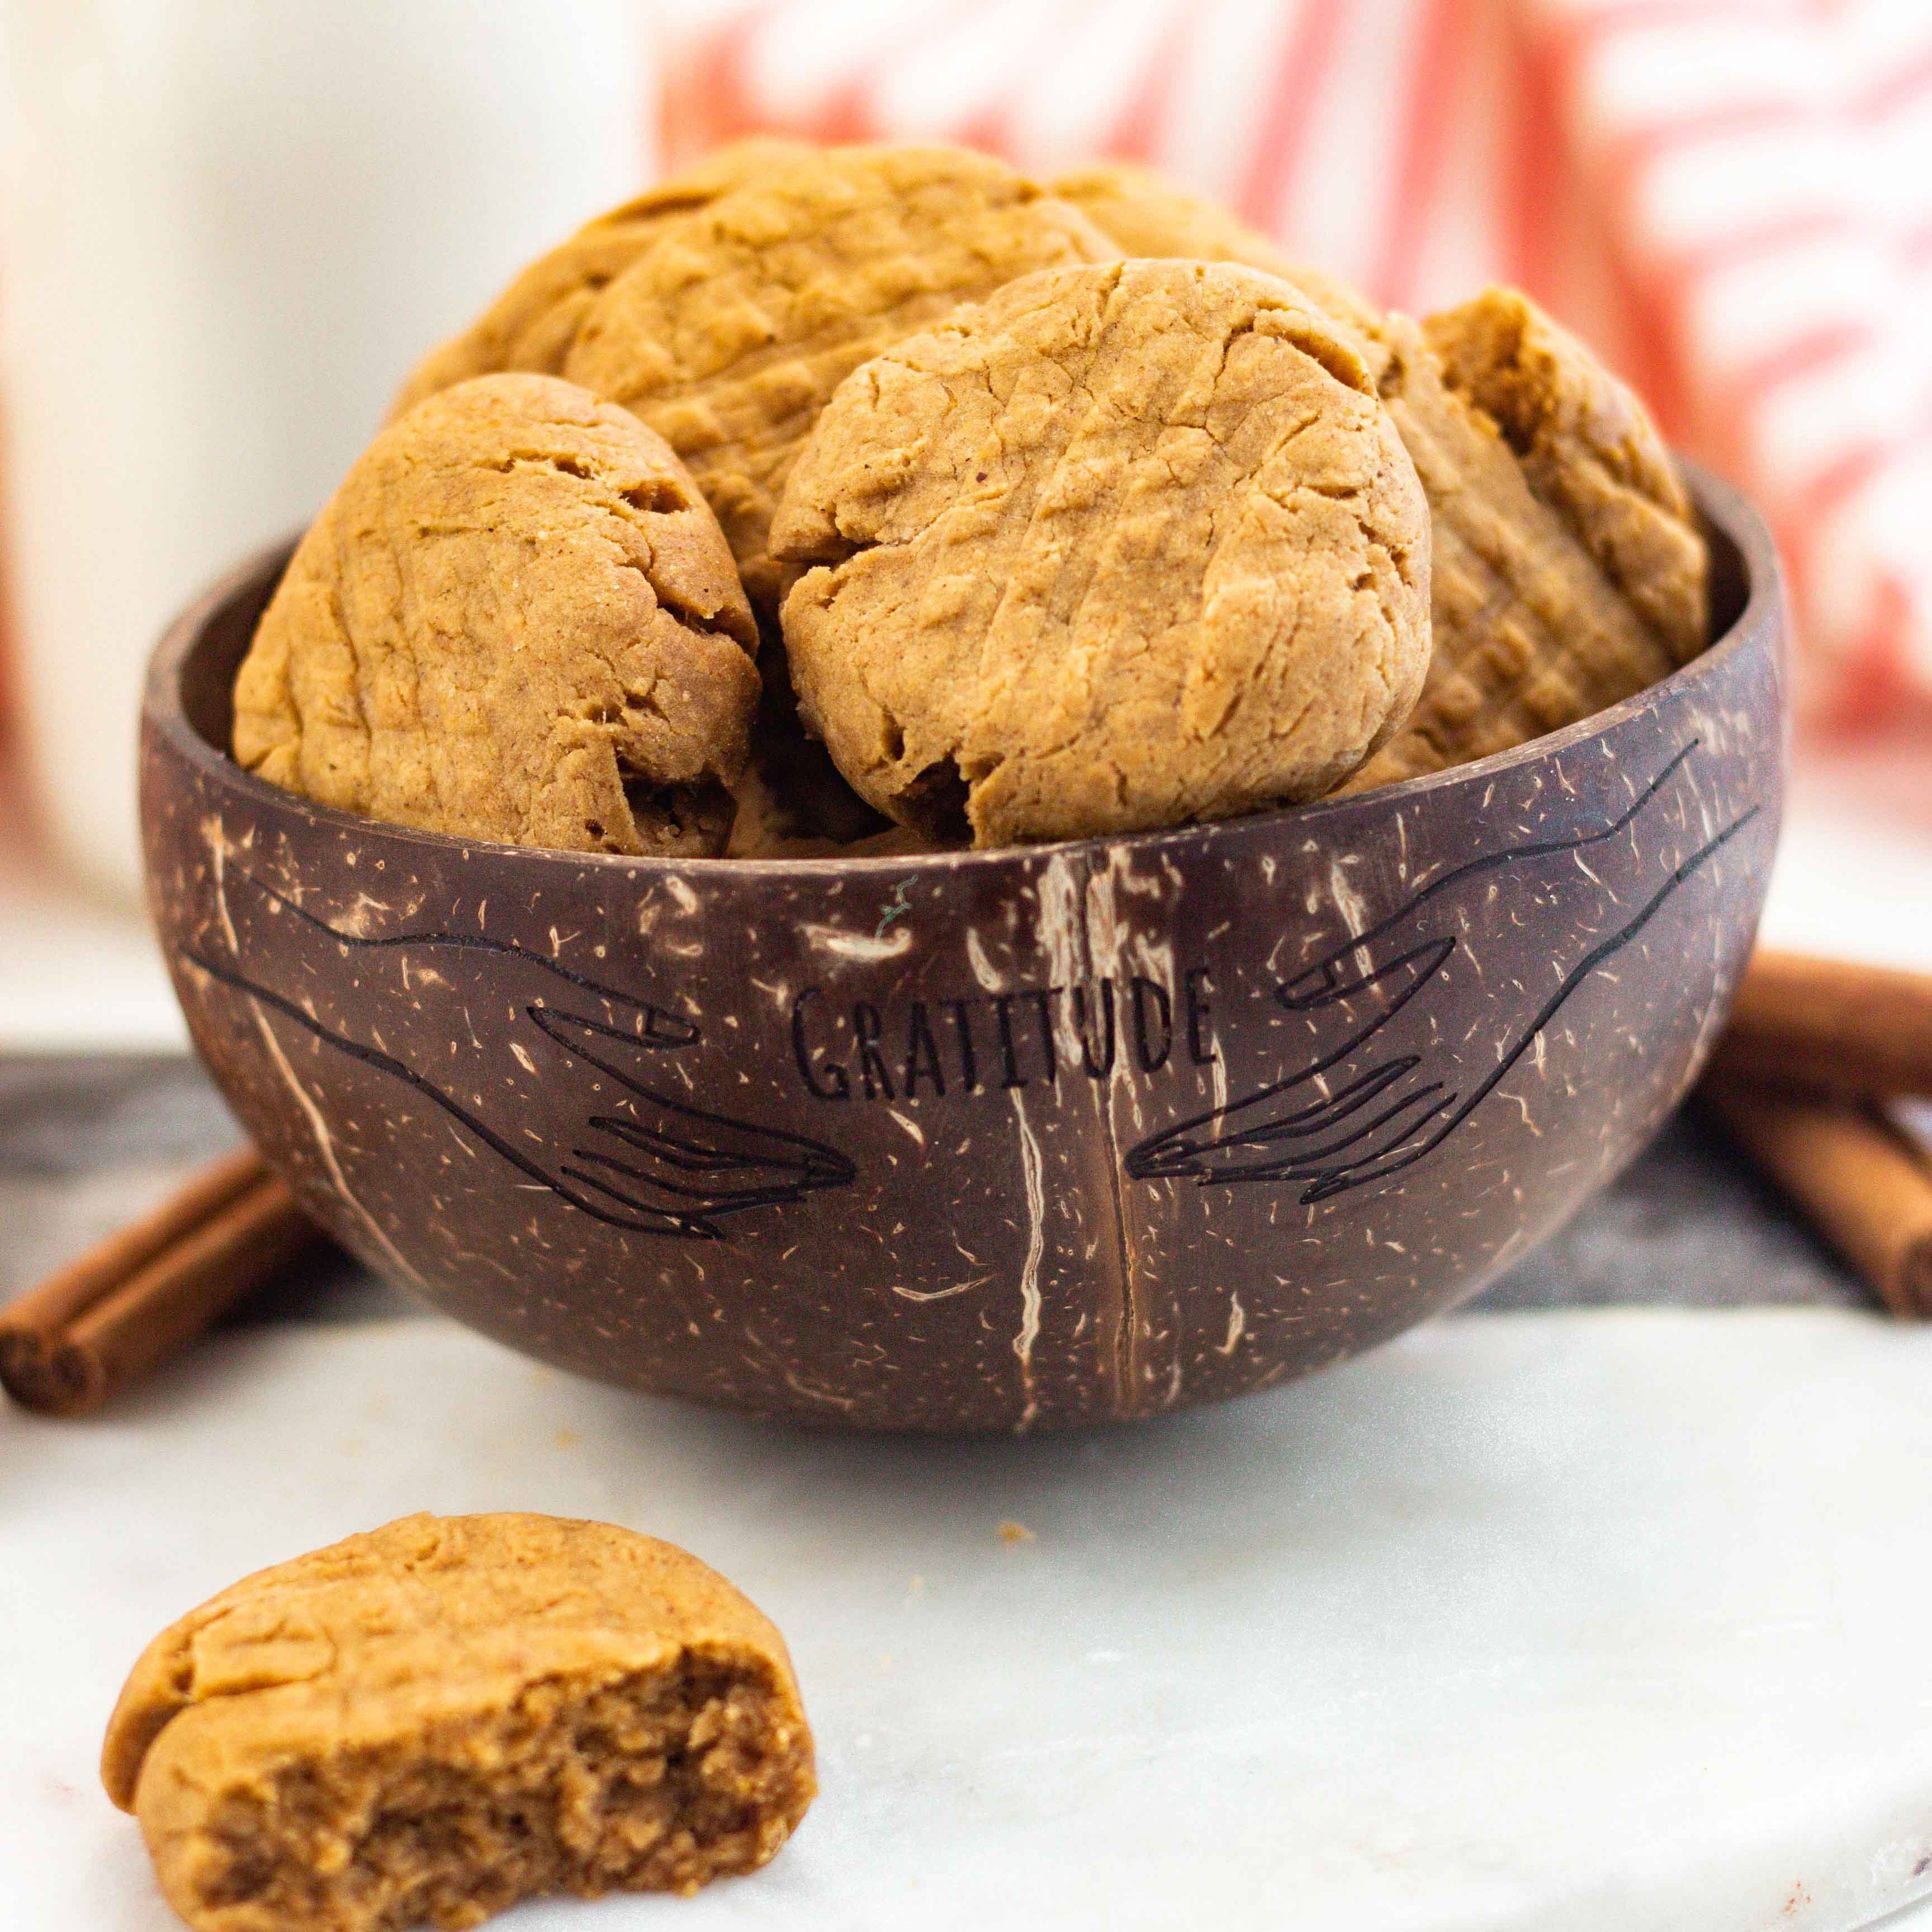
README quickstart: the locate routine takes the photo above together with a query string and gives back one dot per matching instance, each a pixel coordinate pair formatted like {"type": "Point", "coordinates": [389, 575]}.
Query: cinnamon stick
{"type": "Point", "coordinates": [1863, 1184]}
{"type": "Point", "coordinates": [105, 1320]}
{"type": "Point", "coordinates": [1830, 1024]}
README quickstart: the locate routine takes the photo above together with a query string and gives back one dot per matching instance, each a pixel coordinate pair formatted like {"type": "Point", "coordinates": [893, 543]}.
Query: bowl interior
{"type": "Point", "coordinates": [208, 671]}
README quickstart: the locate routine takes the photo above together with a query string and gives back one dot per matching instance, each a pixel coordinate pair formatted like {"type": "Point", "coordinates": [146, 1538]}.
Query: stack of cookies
{"type": "Point", "coordinates": [864, 499]}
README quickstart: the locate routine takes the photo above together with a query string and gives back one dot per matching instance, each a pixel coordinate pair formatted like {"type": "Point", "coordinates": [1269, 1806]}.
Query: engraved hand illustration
{"type": "Point", "coordinates": [1365, 1101]}
{"type": "Point", "coordinates": [639, 1152]}
{"type": "Point", "coordinates": [655, 1148]}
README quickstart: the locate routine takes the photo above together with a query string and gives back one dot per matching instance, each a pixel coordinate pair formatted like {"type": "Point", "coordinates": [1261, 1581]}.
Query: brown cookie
{"type": "Point", "coordinates": [531, 326]}
{"type": "Point", "coordinates": [1569, 570]}
{"type": "Point", "coordinates": [433, 1720]}
{"type": "Point", "coordinates": [1146, 214]}
{"type": "Point", "coordinates": [516, 619]}
{"type": "Point", "coordinates": [1124, 546]}
{"type": "Point", "coordinates": [727, 335]}
{"type": "Point", "coordinates": [1589, 449]}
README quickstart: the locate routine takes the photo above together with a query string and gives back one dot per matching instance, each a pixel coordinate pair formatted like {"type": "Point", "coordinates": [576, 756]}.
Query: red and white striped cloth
{"type": "Point", "coordinates": [1732, 198]}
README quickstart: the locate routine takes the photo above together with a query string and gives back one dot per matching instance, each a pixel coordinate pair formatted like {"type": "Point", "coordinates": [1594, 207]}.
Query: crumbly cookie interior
{"type": "Point", "coordinates": [655, 1781]}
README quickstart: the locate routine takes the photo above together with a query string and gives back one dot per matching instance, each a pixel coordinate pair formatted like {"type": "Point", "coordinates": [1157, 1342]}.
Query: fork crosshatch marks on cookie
{"type": "Point", "coordinates": [1378, 1091]}
{"type": "Point", "coordinates": [638, 1155]}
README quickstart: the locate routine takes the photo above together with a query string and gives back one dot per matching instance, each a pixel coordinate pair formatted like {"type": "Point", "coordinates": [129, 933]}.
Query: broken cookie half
{"type": "Point", "coordinates": [516, 619]}
{"type": "Point", "coordinates": [432, 1721]}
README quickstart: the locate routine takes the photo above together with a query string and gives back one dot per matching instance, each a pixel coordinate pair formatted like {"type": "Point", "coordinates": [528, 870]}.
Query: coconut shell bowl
{"type": "Point", "coordinates": [998, 1140]}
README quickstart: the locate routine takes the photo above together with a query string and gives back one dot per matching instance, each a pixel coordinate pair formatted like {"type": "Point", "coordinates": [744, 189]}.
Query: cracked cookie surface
{"type": "Point", "coordinates": [434, 1720]}
{"type": "Point", "coordinates": [516, 619]}
{"type": "Point", "coordinates": [532, 326]}
{"type": "Point", "coordinates": [1569, 570]}
{"type": "Point", "coordinates": [1123, 547]}
{"type": "Point", "coordinates": [730, 331]}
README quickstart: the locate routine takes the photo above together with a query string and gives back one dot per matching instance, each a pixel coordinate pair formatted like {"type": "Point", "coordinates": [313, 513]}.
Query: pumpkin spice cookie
{"type": "Point", "coordinates": [1124, 546]}
{"type": "Point", "coordinates": [1569, 570]}
{"type": "Point", "coordinates": [1146, 214]}
{"type": "Point", "coordinates": [532, 325]}
{"type": "Point", "coordinates": [727, 335]}
{"type": "Point", "coordinates": [516, 619]}
{"type": "Point", "coordinates": [433, 1720]}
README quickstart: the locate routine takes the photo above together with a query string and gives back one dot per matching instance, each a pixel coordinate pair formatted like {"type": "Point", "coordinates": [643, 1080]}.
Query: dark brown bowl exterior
{"type": "Point", "coordinates": [989, 1140]}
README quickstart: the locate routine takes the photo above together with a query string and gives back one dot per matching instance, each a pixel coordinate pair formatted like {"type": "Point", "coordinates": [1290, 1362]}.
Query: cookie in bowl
{"type": "Point", "coordinates": [728, 334]}
{"type": "Point", "coordinates": [1122, 548]}
{"type": "Point", "coordinates": [1570, 568]}
{"type": "Point", "coordinates": [516, 619]}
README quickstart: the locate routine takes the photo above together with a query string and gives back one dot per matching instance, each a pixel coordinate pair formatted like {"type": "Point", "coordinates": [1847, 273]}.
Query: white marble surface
{"type": "Point", "coordinates": [1548, 1622]}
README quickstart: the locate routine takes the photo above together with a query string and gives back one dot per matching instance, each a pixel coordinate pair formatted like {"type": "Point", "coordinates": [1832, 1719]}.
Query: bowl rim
{"type": "Point", "coordinates": [1723, 506]}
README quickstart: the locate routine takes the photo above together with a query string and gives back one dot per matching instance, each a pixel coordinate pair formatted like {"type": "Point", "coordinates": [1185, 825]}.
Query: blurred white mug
{"type": "Point", "coordinates": [227, 227]}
